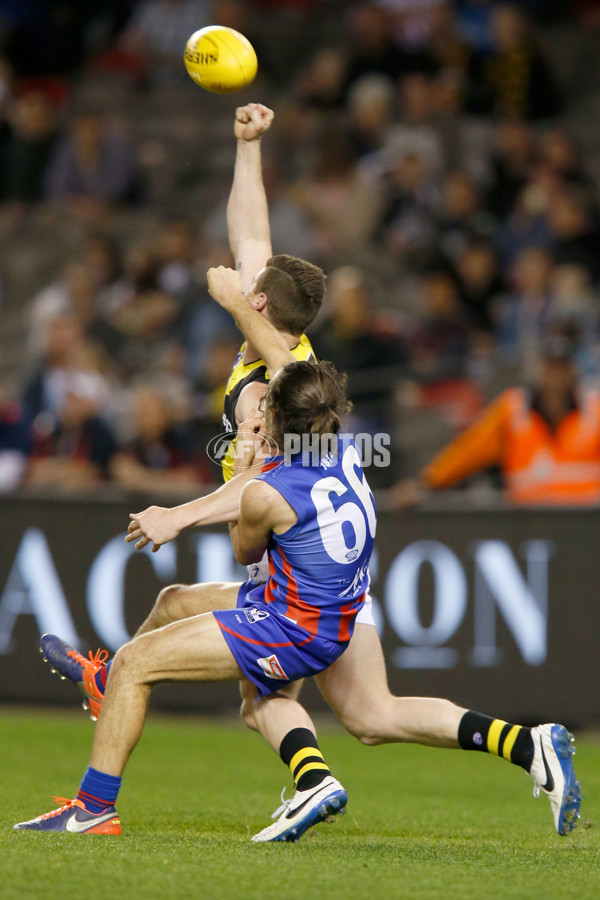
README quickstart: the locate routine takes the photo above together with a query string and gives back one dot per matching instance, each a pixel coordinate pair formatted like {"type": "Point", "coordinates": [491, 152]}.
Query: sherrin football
{"type": "Point", "coordinates": [220, 59]}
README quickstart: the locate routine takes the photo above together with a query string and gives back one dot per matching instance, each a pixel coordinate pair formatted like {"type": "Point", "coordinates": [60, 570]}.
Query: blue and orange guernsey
{"type": "Point", "coordinates": [319, 567]}
{"type": "Point", "coordinates": [301, 619]}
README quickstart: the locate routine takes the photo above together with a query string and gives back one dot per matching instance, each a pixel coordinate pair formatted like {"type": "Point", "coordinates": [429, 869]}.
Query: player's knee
{"type": "Point", "coordinates": [168, 604]}
{"type": "Point", "coordinates": [124, 659]}
{"type": "Point", "coordinates": [370, 739]}
{"type": "Point", "coordinates": [364, 726]}
{"type": "Point", "coordinates": [247, 714]}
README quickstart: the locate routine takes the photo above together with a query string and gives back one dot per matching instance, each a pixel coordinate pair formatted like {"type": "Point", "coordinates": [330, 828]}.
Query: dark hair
{"type": "Point", "coordinates": [307, 398]}
{"type": "Point", "coordinates": [295, 289]}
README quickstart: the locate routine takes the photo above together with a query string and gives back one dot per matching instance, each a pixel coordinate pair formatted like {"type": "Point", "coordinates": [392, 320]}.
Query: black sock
{"type": "Point", "coordinates": [513, 742]}
{"type": "Point", "coordinates": [300, 751]}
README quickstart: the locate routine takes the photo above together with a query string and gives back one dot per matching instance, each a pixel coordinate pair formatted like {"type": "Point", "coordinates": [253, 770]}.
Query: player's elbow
{"type": "Point", "coordinates": [247, 556]}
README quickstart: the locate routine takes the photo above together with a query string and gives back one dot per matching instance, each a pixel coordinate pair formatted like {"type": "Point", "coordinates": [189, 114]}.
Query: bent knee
{"type": "Point", "coordinates": [371, 739]}
{"type": "Point", "coordinates": [168, 605]}
{"type": "Point", "coordinates": [368, 728]}
{"type": "Point", "coordinates": [247, 715]}
{"type": "Point", "coordinates": [124, 658]}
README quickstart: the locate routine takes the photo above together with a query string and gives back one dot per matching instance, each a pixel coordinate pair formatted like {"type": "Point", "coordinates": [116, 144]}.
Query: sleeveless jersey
{"type": "Point", "coordinates": [241, 375]}
{"type": "Point", "coordinates": [319, 567]}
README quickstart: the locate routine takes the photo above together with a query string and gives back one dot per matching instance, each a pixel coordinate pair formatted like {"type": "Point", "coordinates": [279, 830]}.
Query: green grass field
{"type": "Point", "coordinates": [421, 823]}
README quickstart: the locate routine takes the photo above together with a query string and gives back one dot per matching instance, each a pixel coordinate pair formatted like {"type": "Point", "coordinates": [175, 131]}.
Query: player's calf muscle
{"type": "Point", "coordinates": [249, 695]}
{"type": "Point", "coordinates": [425, 720]}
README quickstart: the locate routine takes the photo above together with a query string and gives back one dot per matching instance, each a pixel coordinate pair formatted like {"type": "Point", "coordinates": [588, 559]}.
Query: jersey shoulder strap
{"type": "Point", "coordinates": [303, 349]}
{"type": "Point", "coordinates": [241, 370]}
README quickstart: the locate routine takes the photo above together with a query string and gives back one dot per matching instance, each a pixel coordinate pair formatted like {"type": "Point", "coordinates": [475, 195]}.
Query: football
{"type": "Point", "coordinates": [220, 59]}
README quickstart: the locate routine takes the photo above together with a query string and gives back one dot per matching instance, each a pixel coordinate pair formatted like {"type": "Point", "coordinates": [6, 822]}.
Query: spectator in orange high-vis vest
{"type": "Point", "coordinates": [545, 440]}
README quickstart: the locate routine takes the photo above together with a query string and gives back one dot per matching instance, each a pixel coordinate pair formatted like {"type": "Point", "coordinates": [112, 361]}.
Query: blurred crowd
{"type": "Point", "coordinates": [418, 154]}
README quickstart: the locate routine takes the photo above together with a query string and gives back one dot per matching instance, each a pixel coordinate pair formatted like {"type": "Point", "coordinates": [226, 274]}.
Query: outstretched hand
{"type": "Point", "coordinates": [155, 525]}
{"type": "Point", "coordinates": [252, 120]}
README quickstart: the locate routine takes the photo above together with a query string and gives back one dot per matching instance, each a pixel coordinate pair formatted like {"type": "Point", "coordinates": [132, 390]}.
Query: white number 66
{"type": "Point", "coordinates": [331, 521]}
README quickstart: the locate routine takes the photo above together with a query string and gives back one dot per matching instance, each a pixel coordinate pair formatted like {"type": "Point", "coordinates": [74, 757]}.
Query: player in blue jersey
{"type": "Point", "coordinates": [318, 574]}
{"type": "Point", "coordinates": [317, 522]}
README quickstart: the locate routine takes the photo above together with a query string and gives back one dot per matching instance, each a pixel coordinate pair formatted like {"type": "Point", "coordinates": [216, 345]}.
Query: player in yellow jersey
{"type": "Point", "coordinates": [355, 686]}
{"type": "Point", "coordinates": [250, 374]}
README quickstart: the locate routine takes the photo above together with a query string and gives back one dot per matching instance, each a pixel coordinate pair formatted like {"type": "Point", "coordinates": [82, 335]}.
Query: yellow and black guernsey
{"type": "Point", "coordinates": [243, 374]}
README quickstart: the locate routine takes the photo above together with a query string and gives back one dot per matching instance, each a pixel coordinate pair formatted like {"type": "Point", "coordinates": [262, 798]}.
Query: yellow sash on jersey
{"type": "Point", "coordinates": [241, 373]}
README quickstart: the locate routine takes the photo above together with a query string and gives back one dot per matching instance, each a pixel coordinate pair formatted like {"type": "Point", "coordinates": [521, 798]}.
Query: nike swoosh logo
{"type": "Point", "coordinates": [549, 786]}
{"type": "Point", "coordinates": [292, 812]}
{"type": "Point", "coordinates": [85, 692]}
{"type": "Point", "coordinates": [73, 824]}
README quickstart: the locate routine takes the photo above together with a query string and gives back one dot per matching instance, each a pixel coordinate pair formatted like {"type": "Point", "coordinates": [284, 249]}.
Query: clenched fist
{"type": "Point", "coordinates": [252, 120]}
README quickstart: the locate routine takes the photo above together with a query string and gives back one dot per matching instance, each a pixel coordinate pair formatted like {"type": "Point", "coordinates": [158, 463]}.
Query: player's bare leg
{"type": "Point", "coordinates": [173, 604]}
{"type": "Point", "coordinates": [181, 601]}
{"type": "Point", "coordinates": [277, 714]}
{"type": "Point", "coordinates": [193, 649]}
{"type": "Point", "coordinates": [281, 720]}
{"type": "Point", "coordinates": [356, 689]}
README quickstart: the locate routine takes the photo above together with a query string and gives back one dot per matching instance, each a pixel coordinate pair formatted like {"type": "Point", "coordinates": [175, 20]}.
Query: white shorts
{"type": "Point", "coordinates": [259, 573]}
{"type": "Point", "coordinates": [365, 613]}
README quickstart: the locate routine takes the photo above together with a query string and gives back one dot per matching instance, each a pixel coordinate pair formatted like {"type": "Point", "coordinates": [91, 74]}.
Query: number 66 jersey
{"type": "Point", "coordinates": [319, 567]}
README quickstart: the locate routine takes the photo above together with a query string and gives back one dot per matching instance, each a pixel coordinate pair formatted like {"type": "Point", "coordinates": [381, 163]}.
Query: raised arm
{"type": "Point", "coordinates": [225, 287]}
{"type": "Point", "coordinates": [247, 210]}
